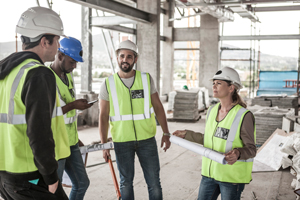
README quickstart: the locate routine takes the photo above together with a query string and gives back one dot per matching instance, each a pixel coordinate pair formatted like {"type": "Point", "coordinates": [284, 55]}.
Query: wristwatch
{"type": "Point", "coordinates": [167, 134]}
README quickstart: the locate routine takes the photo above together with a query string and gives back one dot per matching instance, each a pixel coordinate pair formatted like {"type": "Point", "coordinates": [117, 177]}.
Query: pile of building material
{"type": "Point", "coordinates": [186, 105]}
{"type": "Point", "coordinates": [269, 155]}
{"type": "Point", "coordinates": [279, 101]}
{"type": "Point", "coordinates": [292, 148]}
{"type": "Point", "coordinates": [268, 119]}
{"type": "Point", "coordinates": [280, 150]}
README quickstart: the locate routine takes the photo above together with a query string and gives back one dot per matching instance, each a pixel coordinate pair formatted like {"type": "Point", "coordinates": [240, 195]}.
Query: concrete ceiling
{"type": "Point", "coordinates": [222, 9]}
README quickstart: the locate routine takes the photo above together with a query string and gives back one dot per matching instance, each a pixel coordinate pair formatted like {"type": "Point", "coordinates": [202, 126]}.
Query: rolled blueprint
{"type": "Point", "coordinates": [95, 147]}
{"type": "Point", "coordinates": [208, 153]}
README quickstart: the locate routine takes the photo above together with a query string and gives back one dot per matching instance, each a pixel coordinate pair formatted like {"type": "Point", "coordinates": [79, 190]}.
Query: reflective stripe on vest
{"type": "Point", "coordinates": [147, 111]}
{"type": "Point", "coordinates": [68, 120]}
{"type": "Point", "coordinates": [233, 131]}
{"type": "Point", "coordinates": [10, 118]}
{"type": "Point", "coordinates": [208, 112]}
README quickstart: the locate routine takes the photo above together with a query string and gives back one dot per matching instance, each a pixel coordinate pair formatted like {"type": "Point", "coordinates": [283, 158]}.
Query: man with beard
{"type": "Point", "coordinates": [128, 101]}
{"type": "Point", "coordinates": [69, 53]}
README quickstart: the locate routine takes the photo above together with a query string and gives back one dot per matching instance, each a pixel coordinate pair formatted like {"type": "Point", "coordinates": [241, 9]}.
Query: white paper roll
{"type": "Point", "coordinates": [213, 155]}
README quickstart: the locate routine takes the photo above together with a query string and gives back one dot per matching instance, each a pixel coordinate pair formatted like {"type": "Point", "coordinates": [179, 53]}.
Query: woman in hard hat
{"type": "Point", "coordinates": [230, 130]}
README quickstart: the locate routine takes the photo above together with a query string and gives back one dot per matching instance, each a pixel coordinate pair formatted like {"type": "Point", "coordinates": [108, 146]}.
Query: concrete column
{"type": "Point", "coordinates": [87, 44]}
{"type": "Point", "coordinates": [88, 116]}
{"type": "Point", "coordinates": [148, 40]}
{"type": "Point", "coordinates": [168, 49]}
{"type": "Point", "coordinates": [209, 50]}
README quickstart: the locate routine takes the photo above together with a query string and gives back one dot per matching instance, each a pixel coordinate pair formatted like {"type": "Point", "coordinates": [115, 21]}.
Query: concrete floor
{"type": "Point", "coordinates": [180, 173]}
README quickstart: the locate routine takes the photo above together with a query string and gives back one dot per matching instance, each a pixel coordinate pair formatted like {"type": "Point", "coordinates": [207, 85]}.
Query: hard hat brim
{"type": "Point", "coordinates": [34, 33]}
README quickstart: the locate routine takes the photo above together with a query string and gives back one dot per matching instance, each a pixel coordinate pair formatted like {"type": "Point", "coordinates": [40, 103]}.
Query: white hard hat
{"type": "Point", "coordinates": [127, 44]}
{"type": "Point", "coordinates": [228, 74]}
{"type": "Point", "coordinates": [39, 20]}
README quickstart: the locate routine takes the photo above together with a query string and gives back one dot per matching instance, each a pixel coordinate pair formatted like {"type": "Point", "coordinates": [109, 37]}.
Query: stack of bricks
{"type": "Point", "coordinates": [186, 105]}
{"type": "Point", "coordinates": [267, 120]}
{"type": "Point", "coordinates": [272, 101]}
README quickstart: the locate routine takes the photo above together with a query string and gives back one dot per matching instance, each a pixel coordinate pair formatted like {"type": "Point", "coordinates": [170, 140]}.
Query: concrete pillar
{"type": "Point", "coordinates": [168, 49]}
{"type": "Point", "coordinates": [87, 46]}
{"type": "Point", "coordinates": [88, 116]}
{"type": "Point", "coordinates": [209, 50]}
{"type": "Point", "coordinates": [148, 40]}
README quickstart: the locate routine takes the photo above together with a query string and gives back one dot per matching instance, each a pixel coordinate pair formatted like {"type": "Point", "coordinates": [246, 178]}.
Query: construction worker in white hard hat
{"type": "Point", "coordinates": [69, 53]}
{"type": "Point", "coordinates": [33, 135]}
{"type": "Point", "coordinates": [128, 101]}
{"type": "Point", "coordinates": [230, 130]}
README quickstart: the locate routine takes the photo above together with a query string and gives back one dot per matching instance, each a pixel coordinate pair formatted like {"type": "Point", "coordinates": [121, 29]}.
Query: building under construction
{"type": "Point", "coordinates": [197, 46]}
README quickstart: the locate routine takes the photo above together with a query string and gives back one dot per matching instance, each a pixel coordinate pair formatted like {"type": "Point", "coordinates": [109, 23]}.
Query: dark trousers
{"type": "Point", "coordinates": [12, 188]}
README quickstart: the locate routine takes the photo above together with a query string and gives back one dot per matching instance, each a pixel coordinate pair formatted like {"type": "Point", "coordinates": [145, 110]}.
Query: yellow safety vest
{"type": "Point", "coordinates": [16, 154]}
{"type": "Point", "coordinates": [222, 137]}
{"type": "Point", "coordinates": [131, 112]}
{"type": "Point", "coordinates": [67, 95]}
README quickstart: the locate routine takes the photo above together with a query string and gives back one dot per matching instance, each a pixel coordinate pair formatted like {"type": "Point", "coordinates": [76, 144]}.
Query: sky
{"type": "Point", "coordinates": [272, 23]}
{"type": "Point", "coordinates": [10, 12]}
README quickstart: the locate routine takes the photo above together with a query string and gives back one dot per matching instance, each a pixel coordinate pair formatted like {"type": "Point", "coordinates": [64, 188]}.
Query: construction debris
{"type": "Point", "coordinates": [291, 148]}
{"type": "Point", "coordinates": [269, 156]}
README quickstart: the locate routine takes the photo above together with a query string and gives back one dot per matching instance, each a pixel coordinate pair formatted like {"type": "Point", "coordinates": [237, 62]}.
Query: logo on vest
{"type": "Point", "coordinates": [222, 133]}
{"type": "Point", "coordinates": [137, 94]}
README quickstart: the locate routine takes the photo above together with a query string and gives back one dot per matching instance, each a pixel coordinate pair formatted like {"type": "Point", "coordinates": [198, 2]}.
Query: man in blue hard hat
{"type": "Point", "coordinates": [69, 53]}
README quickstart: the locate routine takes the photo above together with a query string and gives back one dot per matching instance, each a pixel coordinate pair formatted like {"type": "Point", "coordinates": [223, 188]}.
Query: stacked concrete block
{"type": "Point", "coordinates": [186, 105]}
{"type": "Point", "coordinates": [203, 98]}
{"type": "Point", "coordinates": [267, 120]}
{"type": "Point", "coordinates": [272, 101]}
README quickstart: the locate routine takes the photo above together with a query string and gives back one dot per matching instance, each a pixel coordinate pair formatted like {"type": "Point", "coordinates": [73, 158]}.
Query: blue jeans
{"type": "Point", "coordinates": [74, 167]}
{"type": "Point", "coordinates": [146, 151]}
{"type": "Point", "coordinates": [210, 190]}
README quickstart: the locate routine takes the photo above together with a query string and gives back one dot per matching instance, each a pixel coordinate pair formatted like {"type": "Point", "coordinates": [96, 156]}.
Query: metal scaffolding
{"type": "Point", "coordinates": [254, 61]}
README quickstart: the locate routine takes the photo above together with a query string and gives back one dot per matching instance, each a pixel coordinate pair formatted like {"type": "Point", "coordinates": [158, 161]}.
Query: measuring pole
{"type": "Point", "coordinates": [114, 178]}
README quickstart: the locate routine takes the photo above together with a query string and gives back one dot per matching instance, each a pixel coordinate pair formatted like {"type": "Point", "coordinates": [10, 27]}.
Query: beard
{"type": "Point", "coordinates": [63, 67]}
{"type": "Point", "coordinates": [128, 69]}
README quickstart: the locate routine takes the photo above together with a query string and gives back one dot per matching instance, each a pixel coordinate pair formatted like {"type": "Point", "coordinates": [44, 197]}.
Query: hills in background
{"type": "Point", "coordinates": [101, 60]}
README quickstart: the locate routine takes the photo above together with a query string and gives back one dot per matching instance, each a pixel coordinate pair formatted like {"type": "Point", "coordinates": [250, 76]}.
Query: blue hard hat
{"type": "Point", "coordinates": [71, 47]}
